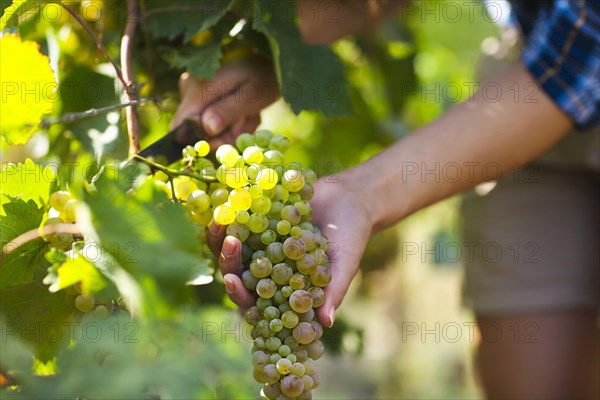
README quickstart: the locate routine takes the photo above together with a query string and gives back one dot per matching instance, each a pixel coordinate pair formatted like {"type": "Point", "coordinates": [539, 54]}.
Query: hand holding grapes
{"type": "Point", "coordinates": [343, 218]}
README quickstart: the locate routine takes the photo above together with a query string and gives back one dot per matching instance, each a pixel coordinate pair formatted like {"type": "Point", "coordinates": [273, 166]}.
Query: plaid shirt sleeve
{"type": "Point", "coordinates": [563, 54]}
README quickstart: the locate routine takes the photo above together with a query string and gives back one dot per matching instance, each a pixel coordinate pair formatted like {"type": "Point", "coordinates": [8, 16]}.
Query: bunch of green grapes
{"type": "Point", "coordinates": [63, 204]}
{"type": "Point", "coordinates": [265, 205]}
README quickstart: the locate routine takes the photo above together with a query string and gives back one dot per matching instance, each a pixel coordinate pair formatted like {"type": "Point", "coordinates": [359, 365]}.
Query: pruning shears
{"type": "Point", "coordinates": [190, 131]}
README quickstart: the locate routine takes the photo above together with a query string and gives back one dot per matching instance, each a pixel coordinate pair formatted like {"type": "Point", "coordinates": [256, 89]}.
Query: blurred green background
{"type": "Point", "coordinates": [386, 343]}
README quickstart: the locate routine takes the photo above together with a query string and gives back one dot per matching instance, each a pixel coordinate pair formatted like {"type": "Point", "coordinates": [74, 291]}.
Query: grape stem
{"type": "Point", "coordinates": [171, 172]}
{"type": "Point", "coordinates": [39, 232]}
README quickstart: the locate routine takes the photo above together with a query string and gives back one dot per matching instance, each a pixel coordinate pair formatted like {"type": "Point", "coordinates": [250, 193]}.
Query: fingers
{"type": "Point", "coordinates": [216, 235]}
{"type": "Point", "coordinates": [246, 124]}
{"type": "Point", "coordinates": [224, 113]}
{"type": "Point", "coordinates": [237, 292]}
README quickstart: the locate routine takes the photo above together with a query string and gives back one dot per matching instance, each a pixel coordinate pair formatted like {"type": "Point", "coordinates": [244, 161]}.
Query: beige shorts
{"type": "Point", "coordinates": [534, 240]}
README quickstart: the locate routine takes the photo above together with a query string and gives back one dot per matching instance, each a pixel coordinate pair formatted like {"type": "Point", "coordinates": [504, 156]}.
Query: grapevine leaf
{"type": "Point", "coordinates": [27, 181]}
{"type": "Point", "coordinates": [77, 269]}
{"type": "Point", "coordinates": [184, 17]}
{"type": "Point", "coordinates": [24, 263]}
{"type": "Point", "coordinates": [311, 77]}
{"type": "Point", "coordinates": [147, 234]}
{"type": "Point", "coordinates": [28, 88]}
{"type": "Point", "coordinates": [202, 62]}
{"type": "Point", "coordinates": [37, 315]}
{"type": "Point", "coordinates": [11, 12]}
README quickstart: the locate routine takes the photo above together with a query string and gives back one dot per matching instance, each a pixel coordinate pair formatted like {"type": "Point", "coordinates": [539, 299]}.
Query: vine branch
{"type": "Point", "coordinates": [37, 233]}
{"type": "Point", "coordinates": [99, 43]}
{"type": "Point", "coordinates": [92, 112]}
{"type": "Point", "coordinates": [171, 172]}
{"type": "Point", "coordinates": [133, 125]}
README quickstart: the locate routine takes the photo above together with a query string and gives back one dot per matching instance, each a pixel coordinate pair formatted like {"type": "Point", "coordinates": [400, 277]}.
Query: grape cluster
{"type": "Point", "coordinates": [265, 205]}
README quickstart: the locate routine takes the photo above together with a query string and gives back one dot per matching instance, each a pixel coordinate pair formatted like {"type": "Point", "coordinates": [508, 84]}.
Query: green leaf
{"type": "Point", "coordinates": [27, 261]}
{"type": "Point", "coordinates": [37, 316]}
{"type": "Point", "coordinates": [203, 61]}
{"type": "Point", "coordinates": [78, 269]}
{"type": "Point", "coordinates": [310, 77]}
{"type": "Point", "coordinates": [147, 234]}
{"type": "Point", "coordinates": [28, 87]}
{"type": "Point", "coordinates": [184, 17]}
{"type": "Point", "coordinates": [27, 181]}
{"type": "Point", "coordinates": [12, 12]}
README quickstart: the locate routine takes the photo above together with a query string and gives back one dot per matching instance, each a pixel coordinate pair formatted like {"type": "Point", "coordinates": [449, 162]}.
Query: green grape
{"type": "Point", "coordinates": [84, 303]}
{"type": "Point", "coordinates": [268, 237]}
{"type": "Point", "coordinates": [255, 191]}
{"type": "Point", "coordinates": [184, 187]}
{"type": "Point", "coordinates": [253, 240]}
{"type": "Point", "coordinates": [302, 206]}
{"type": "Point", "coordinates": [261, 205]}
{"type": "Point", "coordinates": [292, 357]}
{"type": "Point", "coordinates": [291, 342]}
{"type": "Point", "coordinates": [68, 215]}
{"type": "Point", "coordinates": [258, 375]}
{"type": "Point", "coordinates": [267, 178]}
{"type": "Point", "coordinates": [249, 280]}
{"type": "Point", "coordinates": [252, 316]}
{"type": "Point", "coordinates": [242, 217]}
{"type": "Point", "coordinates": [318, 329]}
{"type": "Point", "coordinates": [260, 359]}
{"type": "Point", "coordinates": [224, 215]}
{"type": "Point", "coordinates": [221, 173]}
{"type": "Point", "coordinates": [292, 386]}
{"type": "Point", "coordinates": [258, 254]}
{"type": "Point", "coordinates": [59, 199]}
{"type": "Point", "coordinates": [198, 201]}
{"type": "Point", "coordinates": [226, 152]}
{"type": "Point", "coordinates": [320, 256]}
{"type": "Point", "coordinates": [287, 291]}
{"type": "Point", "coordinates": [290, 319]}
{"type": "Point", "coordinates": [274, 358]}
{"type": "Point", "coordinates": [284, 350]}
{"type": "Point", "coordinates": [259, 343]}
{"type": "Point", "coordinates": [219, 197]}
{"type": "Point", "coordinates": [236, 177]}
{"type": "Point", "coordinates": [284, 366]}
{"type": "Point", "coordinates": [285, 332]}
{"type": "Point", "coordinates": [244, 141]}
{"type": "Point", "coordinates": [273, 343]}
{"type": "Point", "coordinates": [315, 349]}
{"type": "Point", "coordinates": [309, 239]}
{"type": "Point", "coordinates": [293, 180]}
{"type": "Point", "coordinates": [276, 325]}
{"type": "Point", "coordinates": [202, 148]}
{"type": "Point", "coordinates": [306, 395]}
{"type": "Point", "coordinates": [101, 312]}
{"type": "Point", "coordinates": [300, 301]}
{"type": "Point", "coordinates": [280, 143]}
{"type": "Point", "coordinates": [240, 199]}
{"type": "Point", "coordinates": [283, 227]}
{"type": "Point", "coordinates": [281, 273]}
{"type": "Point", "coordinates": [307, 316]}
{"type": "Point", "coordinates": [261, 268]}
{"type": "Point", "coordinates": [261, 303]}
{"type": "Point", "coordinates": [266, 288]}
{"type": "Point", "coordinates": [271, 312]}
{"type": "Point", "coordinates": [294, 248]}
{"type": "Point", "coordinates": [271, 392]}
{"type": "Point", "coordinates": [274, 252]}
{"type": "Point", "coordinates": [291, 214]}
{"type": "Point", "coordinates": [253, 155]}
{"type": "Point", "coordinates": [188, 152]}
{"type": "Point", "coordinates": [262, 137]}
{"type": "Point", "coordinates": [273, 158]}
{"type": "Point", "coordinates": [278, 298]}
{"type": "Point", "coordinates": [272, 224]}
{"type": "Point", "coordinates": [295, 198]}
{"type": "Point", "coordinates": [297, 281]}
{"type": "Point", "coordinates": [306, 264]}
{"type": "Point", "coordinates": [296, 231]}
{"type": "Point", "coordinates": [258, 223]}
{"type": "Point", "coordinates": [263, 329]}
{"type": "Point", "coordinates": [308, 381]}
{"type": "Point", "coordinates": [301, 354]}
{"type": "Point", "coordinates": [253, 171]}
{"type": "Point", "coordinates": [321, 276]}
{"type": "Point", "coordinates": [280, 194]}
{"type": "Point", "coordinates": [304, 333]}
{"type": "Point", "coordinates": [275, 210]}
{"type": "Point", "coordinates": [297, 369]}
{"type": "Point", "coordinates": [318, 296]}
{"type": "Point", "coordinates": [270, 374]}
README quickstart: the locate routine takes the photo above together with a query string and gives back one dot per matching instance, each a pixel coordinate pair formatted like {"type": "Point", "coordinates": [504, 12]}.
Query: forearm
{"type": "Point", "coordinates": [324, 22]}
{"type": "Point", "coordinates": [474, 142]}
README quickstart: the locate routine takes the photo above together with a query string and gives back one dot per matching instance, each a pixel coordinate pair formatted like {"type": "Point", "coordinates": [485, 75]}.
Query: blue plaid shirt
{"type": "Point", "coordinates": [563, 54]}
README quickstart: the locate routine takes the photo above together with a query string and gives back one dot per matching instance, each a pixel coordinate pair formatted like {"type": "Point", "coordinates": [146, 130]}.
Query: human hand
{"type": "Point", "coordinates": [236, 112]}
{"type": "Point", "coordinates": [343, 218]}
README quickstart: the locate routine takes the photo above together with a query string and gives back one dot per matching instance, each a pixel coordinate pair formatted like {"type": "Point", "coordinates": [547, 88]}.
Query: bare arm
{"type": "Point", "coordinates": [324, 22]}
